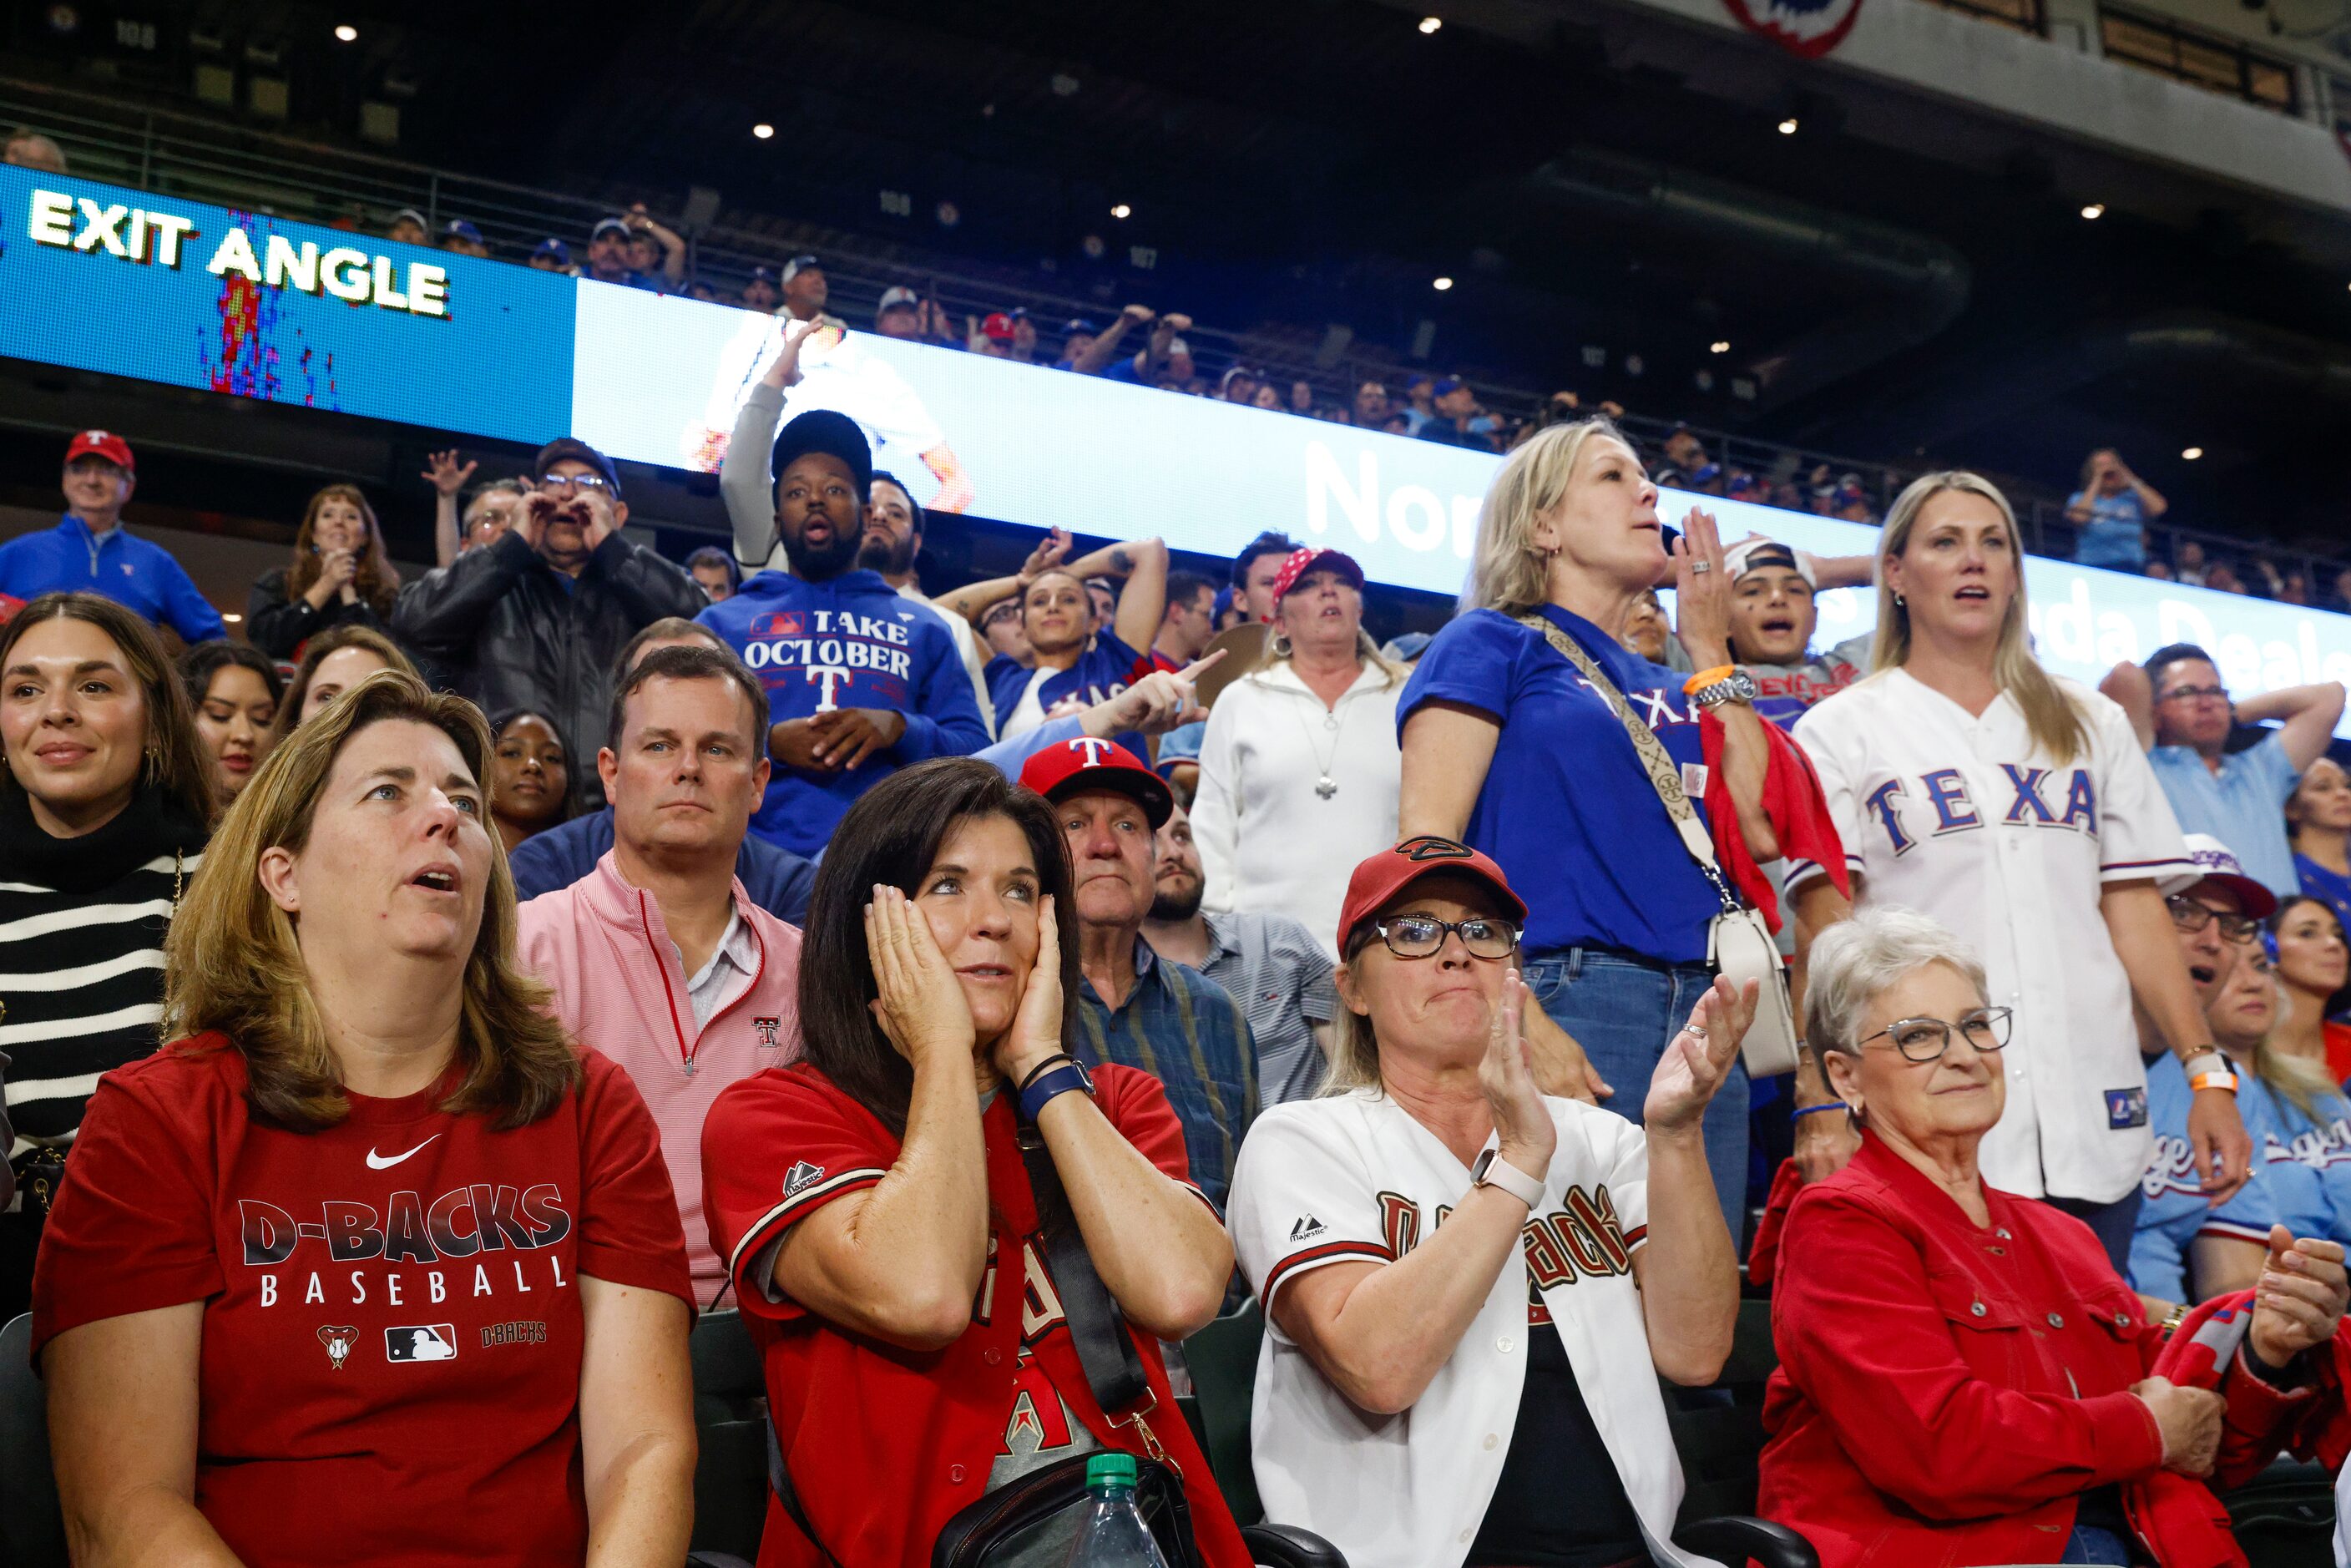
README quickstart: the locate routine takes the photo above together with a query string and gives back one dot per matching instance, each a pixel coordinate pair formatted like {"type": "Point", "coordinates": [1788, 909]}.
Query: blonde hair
{"type": "Point", "coordinates": [1506, 570]}
{"type": "Point", "coordinates": [233, 964]}
{"type": "Point", "coordinates": [2303, 1080]}
{"type": "Point", "coordinates": [2054, 720]}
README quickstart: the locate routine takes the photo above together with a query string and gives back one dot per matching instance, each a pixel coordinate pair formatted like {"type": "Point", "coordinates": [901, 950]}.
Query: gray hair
{"type": "Point", "coordinates": [1857, 961]}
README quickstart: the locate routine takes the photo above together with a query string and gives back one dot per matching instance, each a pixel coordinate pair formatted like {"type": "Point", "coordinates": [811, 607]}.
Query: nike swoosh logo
{"type": "Point", "coordinates": [376, 1162]}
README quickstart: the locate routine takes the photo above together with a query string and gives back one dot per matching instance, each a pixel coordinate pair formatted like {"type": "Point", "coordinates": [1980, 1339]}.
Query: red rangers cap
{"type": "Point", "coordinates": [1382, 877]}
{"type": "Point", "coordinates": [101, 444]}
{"type": "Point", "coordinates": [1310, 558]}
{"type": "Point", "coordinates": [1085, 763]}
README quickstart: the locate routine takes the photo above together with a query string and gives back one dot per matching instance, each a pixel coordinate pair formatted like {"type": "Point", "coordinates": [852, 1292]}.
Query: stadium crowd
{"type": "Point", "coordinates": [978, 997]}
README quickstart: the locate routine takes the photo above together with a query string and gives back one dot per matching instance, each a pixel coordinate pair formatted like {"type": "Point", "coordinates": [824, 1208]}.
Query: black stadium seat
{"type": "Point", "coordinates": [31, 1527]}
{"type": "Point", "coordinates": [730, 1419]}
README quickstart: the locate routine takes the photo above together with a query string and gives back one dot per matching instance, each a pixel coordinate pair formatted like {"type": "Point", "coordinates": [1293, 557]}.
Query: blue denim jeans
{"type": "Point", "coordinates": [2090, 1543]}
{"type": "Point", "coordinates": [1623, 1011]}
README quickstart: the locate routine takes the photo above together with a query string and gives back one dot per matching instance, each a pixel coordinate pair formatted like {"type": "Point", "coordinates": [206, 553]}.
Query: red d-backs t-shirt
{"type": "Point", "coordinates": [393, 1333]}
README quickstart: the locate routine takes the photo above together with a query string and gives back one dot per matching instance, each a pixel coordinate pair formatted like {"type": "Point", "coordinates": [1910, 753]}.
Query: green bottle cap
{"type": "Point", "coordinates": [1110, 1470]}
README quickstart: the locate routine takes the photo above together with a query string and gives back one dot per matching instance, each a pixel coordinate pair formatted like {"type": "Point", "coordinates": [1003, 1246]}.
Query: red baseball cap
{"type": "Point", "coordinates": [102, 444]}
{"type": "Point", "coordinates": [1384, 876]}
{"type": "Point", "coordinates": [1310, 558]}
{"type": "Point", "coordinates": [1085, 763]}
{"type": "Point", "coordinates": [998, 326]}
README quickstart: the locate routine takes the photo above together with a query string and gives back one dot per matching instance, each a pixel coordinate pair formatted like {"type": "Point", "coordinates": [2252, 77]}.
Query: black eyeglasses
{"type": "Point", "coordinates": [2189, 916]}
{"type": "Point", "coordinates": [1925, 1039]}
{"type": "Point", "coordinates": [1420, 935]}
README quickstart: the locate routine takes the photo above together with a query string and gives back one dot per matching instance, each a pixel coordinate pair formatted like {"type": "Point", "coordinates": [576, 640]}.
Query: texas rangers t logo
{"type": "Point", "coordinates": [1095, 750]}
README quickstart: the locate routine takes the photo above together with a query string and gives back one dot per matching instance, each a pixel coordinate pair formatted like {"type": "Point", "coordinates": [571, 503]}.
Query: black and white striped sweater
{"type": "Point", "coordinates": [81, 951]}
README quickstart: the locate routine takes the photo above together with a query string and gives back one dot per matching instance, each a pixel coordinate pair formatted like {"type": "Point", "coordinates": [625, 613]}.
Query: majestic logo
{"type": "Point", "coordinates": [1430, 847]}
{"type": "Point", "coordinates": [376, 1162]}
{"type": "Point", "coordinates": [421, 1342]}
{"type": "Point", "coordinates": [1307, 1227]}
{"type": "Point", "coordinates": [768, 1028]}
{"type": "Point", "coordinates": [801, 1177]}
{"type": "Point", "coordinates": [1806, 28]}
{"type": "Point", "coordinates": [338, 1342]}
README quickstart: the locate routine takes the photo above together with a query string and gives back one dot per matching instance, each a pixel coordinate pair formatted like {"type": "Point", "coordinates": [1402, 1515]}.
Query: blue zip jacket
{"type": "Point", "coordinates": [776, 880]}
{"type": "Point", "coordinates": [850, 643]}
{"type": "Point", "coordinates": [70, 559]}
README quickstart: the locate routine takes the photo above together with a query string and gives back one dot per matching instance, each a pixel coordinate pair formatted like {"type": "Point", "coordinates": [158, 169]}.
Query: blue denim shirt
{"type": "Point", "coordinates": [1183, 1029]}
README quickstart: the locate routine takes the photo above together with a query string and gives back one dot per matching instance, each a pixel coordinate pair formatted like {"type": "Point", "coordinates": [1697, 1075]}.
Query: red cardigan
{"type": "Point", "coordinates": [1945, 1393]}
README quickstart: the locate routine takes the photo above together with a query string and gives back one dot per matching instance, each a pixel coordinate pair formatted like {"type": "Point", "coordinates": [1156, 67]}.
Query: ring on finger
{"type": "Point", "coordinates": [1696, 1029]}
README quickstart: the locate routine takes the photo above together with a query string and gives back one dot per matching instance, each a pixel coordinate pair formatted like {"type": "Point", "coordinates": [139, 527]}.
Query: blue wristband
{"type": "Point", "coordinates": [1054, 1080]}
{"type": "Point", "coordinates": [1826, 1105]}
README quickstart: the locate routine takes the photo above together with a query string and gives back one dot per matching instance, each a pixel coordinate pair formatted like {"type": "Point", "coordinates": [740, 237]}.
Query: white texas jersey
{"type": "Point", "coordinates": [1354, 1178]}
{"type": "Point", "coordinates": [1960, 817]}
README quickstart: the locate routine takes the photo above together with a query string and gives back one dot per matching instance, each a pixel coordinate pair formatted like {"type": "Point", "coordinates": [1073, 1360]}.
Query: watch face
{"type": "Point", "coordinates": [1743, 686]}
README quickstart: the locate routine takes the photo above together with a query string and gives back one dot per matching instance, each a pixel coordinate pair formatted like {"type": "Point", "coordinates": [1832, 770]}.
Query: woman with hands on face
{"type": "Point", "coordinates": [339, 576]}
{"type": "Point", "coordinates": [873, 1201]}
{"type": "Point", "coordinates": [1446, 1255]}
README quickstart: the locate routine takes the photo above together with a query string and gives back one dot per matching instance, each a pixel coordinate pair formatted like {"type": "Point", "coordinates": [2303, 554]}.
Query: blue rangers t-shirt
{"type": "Point", "coordinates": [853, 641]}
{"type": "Point", "coordinates": [2305, 1160]}
{"type": "Point", "coordinates": [1566, 810]}
{"type": "Point", "coordinates": [1106, 668]}
{"type": "Point", "coordinates": [2173, 1211]}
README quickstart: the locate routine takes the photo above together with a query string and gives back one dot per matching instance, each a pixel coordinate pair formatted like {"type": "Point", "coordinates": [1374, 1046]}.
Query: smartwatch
{"type": "Point", "coordinates": [1055, 1079]}
{"type": "Point", "coordinates": [1493, 1171]}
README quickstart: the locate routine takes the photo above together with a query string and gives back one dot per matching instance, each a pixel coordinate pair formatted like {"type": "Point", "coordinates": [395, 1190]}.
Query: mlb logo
{"type": "Point", "coordinates": [2125, 1108]}
{"type": "Point", "coordinates": [421, 1342]}
{"type": "Point", "coordinates": [782, 623]}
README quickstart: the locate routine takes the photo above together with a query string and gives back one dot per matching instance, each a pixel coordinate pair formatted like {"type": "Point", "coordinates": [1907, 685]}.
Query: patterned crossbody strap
{"type": "Point", "coordinates": [1664, 773]}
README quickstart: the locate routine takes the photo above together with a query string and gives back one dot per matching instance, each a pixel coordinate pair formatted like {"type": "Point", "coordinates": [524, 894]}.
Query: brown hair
{"type": "Point", "coordinates": [314, 653]}
{"type": "Point", "coordinates": [377, 581]}
{"type": "Point", "coordinates": [177, 762]}
{"type": "Point", "coordinates": [232, 962]}
{"type": "Point", "coordinates": [678, 664]}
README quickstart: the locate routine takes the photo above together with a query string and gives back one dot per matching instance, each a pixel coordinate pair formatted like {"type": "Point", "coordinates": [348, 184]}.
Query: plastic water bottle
{"type": "Point", "coordinates": [1113, 1534]}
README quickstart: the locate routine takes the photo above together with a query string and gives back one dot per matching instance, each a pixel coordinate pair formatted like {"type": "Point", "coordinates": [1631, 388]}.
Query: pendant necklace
{"type": "Point", "coordinates": [1325, 786]}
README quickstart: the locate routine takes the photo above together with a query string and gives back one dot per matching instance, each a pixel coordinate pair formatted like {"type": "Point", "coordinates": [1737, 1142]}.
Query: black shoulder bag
{"type": "Point", "coordinates": [984, 1533]}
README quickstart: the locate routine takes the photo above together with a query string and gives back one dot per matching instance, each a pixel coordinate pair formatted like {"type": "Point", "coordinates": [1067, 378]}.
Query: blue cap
{"type": "Point", "coordinates": [554, 247]}
{"type": "Point", "coordinates": [1224, 602]}
{"type": "Point", "coordinates": [1446, 387]}
{"type": "Point", "coordinates": [1181, 744]}
{"type": "Point", "coordinates": [603, 223]}
{"type": "Point", "coordinates": [460, 229]}
{"type": "Point", "coordinates": [1407, 647]}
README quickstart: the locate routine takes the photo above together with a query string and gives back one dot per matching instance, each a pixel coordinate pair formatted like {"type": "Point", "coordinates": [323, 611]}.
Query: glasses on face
{"type": "Point", "coordinates": [1420, 935]}
{"type": "Point", "coordinates": [568, 484]}
{"type": "Point", "coordinates": [2190, 694]}
{"type": "Point", "coordinates": [1925, 1039]}
{"type": "Point", "coordinates": [2189, 916]}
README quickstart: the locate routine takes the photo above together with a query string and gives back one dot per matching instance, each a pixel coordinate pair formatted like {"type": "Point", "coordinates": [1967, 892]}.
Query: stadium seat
{"type": "Point", "coordinates": [1223, 1362]}
{"type": "Point", "coordinates": [31, 1527]}
{"type": "Point", "coordinates": [2284, 1517]}
{"type": "Point", "coordinates": [730, 1419]}
{"type": "Point", "coordinates": [1719, 1432]}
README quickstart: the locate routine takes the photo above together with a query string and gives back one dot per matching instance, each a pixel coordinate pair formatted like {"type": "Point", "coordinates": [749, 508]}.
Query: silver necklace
{"type": "Point", "coordinates": [1334, 722]}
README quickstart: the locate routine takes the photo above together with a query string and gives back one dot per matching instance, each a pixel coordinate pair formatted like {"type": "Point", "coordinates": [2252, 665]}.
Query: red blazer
{"type": "Point", "coordinates": [1945, 1394]}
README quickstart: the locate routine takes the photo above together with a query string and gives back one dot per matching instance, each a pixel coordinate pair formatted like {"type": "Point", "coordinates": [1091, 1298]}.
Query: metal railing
{"type": "Point", "coordinates": [196, 157]}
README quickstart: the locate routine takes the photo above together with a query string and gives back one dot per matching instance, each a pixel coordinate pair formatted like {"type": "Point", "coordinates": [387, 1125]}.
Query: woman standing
{"type": "Point", "coordinates": [105, 805]}
{"type": "Point", "coordinates": [2314, 965]}
{"type": "Point", "coordinates": [335, 661]}
{"type": "Point", "coordinates": [1300, 766]}
{"type": "Point", "coordinates": [2318, 822]}
{"type": "Point", "coordinates": [235, 692]}
{"type": "Point", "coordinates": [2018, 808]}
{"type": "Point", "coordinates": [531, 777]}
{"type": "Point", "coordinates": [481, 1354]}
{"type": "Point", "coordinates": [339, 576]}
{"type": "Point", "coordinates": [883, 1234]}
{"type": "Point", "coordinates": [1509, 747]}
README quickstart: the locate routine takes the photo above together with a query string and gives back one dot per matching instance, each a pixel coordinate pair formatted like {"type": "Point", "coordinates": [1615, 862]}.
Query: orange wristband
{"type": "Point", "coordinates": [1705, 678]}
{"type": "Point", "coordinates": [2203, 1081]}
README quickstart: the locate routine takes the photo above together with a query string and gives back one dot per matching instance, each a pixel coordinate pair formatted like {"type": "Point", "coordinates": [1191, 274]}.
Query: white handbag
{"type": "Point", "coordinates": [1739, 942]}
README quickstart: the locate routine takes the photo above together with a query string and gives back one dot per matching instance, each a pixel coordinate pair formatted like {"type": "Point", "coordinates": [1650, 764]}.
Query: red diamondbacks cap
{"type": "Point", "coordinates": [1086, 763]}
{"type": "Point", "coordinates": [1382, 876]}
{"type": "Point", "coordinates": [101, 444]}
{"type": "Point", "coordinates": [1311, 558]}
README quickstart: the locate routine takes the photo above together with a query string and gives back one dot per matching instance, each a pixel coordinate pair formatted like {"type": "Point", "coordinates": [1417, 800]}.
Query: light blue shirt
{"type": "Point", "coordinates": [2115, 537]}
{"type": "Point", "coordinates": [2242, 805]}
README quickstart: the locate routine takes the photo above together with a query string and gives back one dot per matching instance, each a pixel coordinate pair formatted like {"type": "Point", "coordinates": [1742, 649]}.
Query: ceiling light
{"type": "Point", "coordinates": [232, 618]}
{"type": "Point", "coordinates": [1788, 126]}
{"type": "Point", "coordinates": [1122, 211]}
{"type": "Point", "coordinates": [1442, 284]}
{"type": "Point", "coordinates": [1720, 346]}
{"type": "Point", "coordinates": [2192, 454]}
{"type": "Point", "coordinates": [762, 131]}
{"type": "Point", "coordinates": [2094, 211]}
{"type": "Point", "coordinates": [348, 33]}
{"type": "Point", "coordinates": [1430, 24]}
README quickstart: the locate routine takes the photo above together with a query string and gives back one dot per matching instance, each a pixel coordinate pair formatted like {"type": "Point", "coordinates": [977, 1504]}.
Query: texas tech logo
{"type": "Point", "coordinates": [768, 1029]}
{"type": "Point", "coordinates": [338, 1342]}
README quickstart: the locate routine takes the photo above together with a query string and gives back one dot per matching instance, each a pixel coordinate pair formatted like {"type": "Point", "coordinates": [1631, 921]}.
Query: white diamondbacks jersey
{"type": "Point", "coordinates": [1354, 1178]}
{"type": "Point", "coordinates": [1960, 817]}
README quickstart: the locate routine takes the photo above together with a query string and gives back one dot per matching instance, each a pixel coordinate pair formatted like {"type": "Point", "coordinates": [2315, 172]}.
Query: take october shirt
{"type": "Point", "coordinates": [392, 1334]}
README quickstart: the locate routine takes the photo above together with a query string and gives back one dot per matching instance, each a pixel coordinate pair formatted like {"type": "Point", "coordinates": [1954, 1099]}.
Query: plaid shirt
{"type": "Point", "coordinates": [1182, 1027]}
{"type": "Point", "coordinates": [1282, 979]}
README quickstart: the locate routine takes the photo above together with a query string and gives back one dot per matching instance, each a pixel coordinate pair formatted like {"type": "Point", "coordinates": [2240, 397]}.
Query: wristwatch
{"type": "Point", "coordinates": [1739, 686]}
{"type": "Point", "coordinates": [1492, 1171]}
{"type": "Point", "coordinates": [2208, 1069]}
{"type": "Point", "coordinates": [1054, 1078]}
